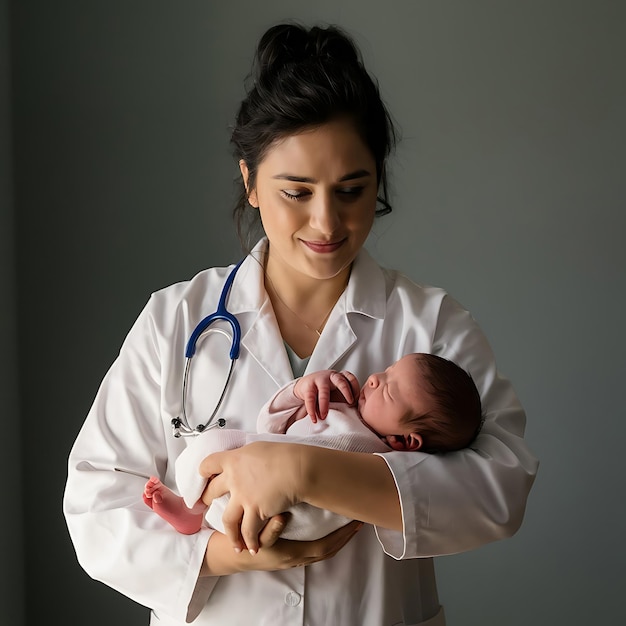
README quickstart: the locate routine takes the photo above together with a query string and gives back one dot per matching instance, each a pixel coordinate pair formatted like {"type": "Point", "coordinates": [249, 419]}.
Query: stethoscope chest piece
{"type": "Point", "coordinates": [180, 430]}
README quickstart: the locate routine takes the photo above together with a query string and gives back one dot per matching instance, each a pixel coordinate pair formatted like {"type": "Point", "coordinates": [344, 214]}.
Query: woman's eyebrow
{"type": "Point", "coordinates": [294, 179]}
{"type": "Point", "coordinates": [313, 181]}
{"type": "Point", "coordinates": [353, 175]}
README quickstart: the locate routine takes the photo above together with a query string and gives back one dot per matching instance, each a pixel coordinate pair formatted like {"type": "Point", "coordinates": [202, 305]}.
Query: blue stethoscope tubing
{"type": "Point", "coordinates": [180, 424]}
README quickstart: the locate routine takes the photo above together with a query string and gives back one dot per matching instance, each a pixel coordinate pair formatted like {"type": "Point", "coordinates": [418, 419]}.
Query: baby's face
{"type": "Point", "coordinates": [387, 399]}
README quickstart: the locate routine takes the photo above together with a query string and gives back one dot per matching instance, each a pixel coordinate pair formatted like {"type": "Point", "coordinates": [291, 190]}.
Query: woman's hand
{"type": "Point", "coordinates": [263, 480]}
{"type": "Point", "coordinates": [274, 553]}
{"type": "Point", "coordinates": [266, 479]}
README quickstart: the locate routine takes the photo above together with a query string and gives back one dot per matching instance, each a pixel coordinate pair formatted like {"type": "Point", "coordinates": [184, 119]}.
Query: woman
{"type": "Point", "coordinates": [312, 138]}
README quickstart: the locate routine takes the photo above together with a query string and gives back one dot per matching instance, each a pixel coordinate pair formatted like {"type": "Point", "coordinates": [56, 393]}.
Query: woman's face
{"type": "Point", "coordinates": [316, 193]}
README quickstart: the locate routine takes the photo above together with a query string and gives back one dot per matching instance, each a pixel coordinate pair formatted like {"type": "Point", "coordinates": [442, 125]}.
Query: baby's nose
{"type": "Point", "coordinates": [372, 381]}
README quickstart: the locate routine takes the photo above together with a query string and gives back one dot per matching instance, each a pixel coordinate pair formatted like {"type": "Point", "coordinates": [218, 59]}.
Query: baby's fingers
{"type": "Point", "coordinates": [347, 384]}
{"type": "Point", "coordinates": [310, 403]}
{"type": "Point", "coordinates": [323, 400]}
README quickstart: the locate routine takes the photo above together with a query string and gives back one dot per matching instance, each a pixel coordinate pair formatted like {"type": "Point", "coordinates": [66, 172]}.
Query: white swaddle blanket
{"type": "Point", "coordinates": [342, 430]}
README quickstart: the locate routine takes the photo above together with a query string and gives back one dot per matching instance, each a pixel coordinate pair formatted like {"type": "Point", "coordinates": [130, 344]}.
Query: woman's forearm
{"type": "Point", "coordinates": [354, 484]}
{"type": "Point", "coordinates": [265, 479]}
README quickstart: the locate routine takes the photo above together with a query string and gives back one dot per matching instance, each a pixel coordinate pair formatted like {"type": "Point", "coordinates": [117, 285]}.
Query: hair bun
{"type": "Point", "coordinates": [287, 44]}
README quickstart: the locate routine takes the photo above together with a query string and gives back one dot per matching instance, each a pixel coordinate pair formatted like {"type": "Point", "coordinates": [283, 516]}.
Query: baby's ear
{"type": "Point", "coordinates": [414, 441]}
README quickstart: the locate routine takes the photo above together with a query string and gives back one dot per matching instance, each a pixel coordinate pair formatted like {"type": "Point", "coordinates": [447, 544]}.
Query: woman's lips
{"type": "Point", "coordinates": [323, 247]}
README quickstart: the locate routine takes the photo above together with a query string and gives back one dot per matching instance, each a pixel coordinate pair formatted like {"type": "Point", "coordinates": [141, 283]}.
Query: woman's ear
{"type": "Point", "coordinates": [245, 174]}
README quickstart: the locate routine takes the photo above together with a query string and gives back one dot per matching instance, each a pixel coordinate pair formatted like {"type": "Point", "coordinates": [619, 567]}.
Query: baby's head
{"type": "Point", "coordinates": [422, 402]}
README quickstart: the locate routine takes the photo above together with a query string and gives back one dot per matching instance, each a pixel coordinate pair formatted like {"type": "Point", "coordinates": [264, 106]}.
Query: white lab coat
{"type": "Point", "coordinates": [449, 503]}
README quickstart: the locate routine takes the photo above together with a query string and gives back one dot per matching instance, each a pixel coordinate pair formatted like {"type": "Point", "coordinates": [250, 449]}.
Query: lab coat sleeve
{"type": "Point", "coordinates": [118, 539]}
{"type": "Point", "coordinates": [461, 500]}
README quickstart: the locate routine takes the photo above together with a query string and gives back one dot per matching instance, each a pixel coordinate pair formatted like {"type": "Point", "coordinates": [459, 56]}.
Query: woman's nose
{"type": "Point", "coordinates": [324, 214]}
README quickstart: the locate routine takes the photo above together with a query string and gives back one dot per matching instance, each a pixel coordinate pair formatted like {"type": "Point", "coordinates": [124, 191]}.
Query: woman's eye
{"type": "Point", "coordinates": [293, 194]}
{"type": "Point", "coordinates": [349, 193]}
{"type": "Point", "coordinates": [346, 194]}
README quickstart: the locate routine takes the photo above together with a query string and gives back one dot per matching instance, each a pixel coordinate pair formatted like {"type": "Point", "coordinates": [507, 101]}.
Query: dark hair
{"type": "Point", "coordinates": [302, 78]}
{"type": "Point", "coordinates": [457, 417]}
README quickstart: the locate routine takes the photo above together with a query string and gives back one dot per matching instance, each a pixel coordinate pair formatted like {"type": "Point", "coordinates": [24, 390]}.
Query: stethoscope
{"type": "Point", "coordinates": [180, 424]}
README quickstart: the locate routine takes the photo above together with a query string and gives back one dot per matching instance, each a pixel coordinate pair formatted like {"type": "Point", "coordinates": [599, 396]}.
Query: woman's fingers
{"type": "Point", "coordinates": [230, 518]}
{"type": "Point", "coordinates": [262, 479]}
{"type": "Point", "coordinates": [280, 554]}
{"type": "Point", "coordinates": [308, 552]}
{"type": "Point", "coordinates": [251, 528]}
{"type": "Point", "coordinates": [242, 525]}
{"type": "Point", "coordinates": [247, 531]}
{"type": "Point", "coordinates": [211, 465]}
{"type": "Point", "coordinates": [331, 544]}
{"type": "Point", "coordinates": [273, 530]}
{"type": "Point", "coordinates": [215, 488]}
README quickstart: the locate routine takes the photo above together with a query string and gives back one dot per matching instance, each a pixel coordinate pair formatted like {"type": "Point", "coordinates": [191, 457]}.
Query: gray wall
{"type": "Point", "coordinates": [509, 192]}
{"type": "Point", "coordinates": [11, 569]}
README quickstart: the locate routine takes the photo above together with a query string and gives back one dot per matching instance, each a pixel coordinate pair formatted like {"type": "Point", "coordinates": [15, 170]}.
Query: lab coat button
{"type": "Point", "coordinates": [292, 598]}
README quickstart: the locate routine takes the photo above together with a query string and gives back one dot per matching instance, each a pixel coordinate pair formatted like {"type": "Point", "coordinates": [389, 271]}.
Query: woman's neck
{"type": "Point", "coordinates": [302, 304]}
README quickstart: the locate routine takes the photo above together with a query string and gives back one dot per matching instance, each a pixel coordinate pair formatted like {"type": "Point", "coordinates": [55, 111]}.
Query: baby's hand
{"type": "Point", "coordinates": [317, 390]}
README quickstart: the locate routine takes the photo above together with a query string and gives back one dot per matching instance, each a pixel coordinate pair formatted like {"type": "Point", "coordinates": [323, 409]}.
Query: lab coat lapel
{"type": "Point", "coordinates": [260, 334]}
{"type": "Point", "coordinates": [336, 339]}
{"type": "Point", "coordinates": [364, 295]}
{"type": "Point", "coordinates": [265, 344]}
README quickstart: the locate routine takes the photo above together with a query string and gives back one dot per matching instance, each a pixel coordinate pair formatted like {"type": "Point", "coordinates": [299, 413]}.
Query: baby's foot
{"type": "Point", "coordinates": [172, 508]}
{"type": "Point", "coordinates": [152, 492]}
